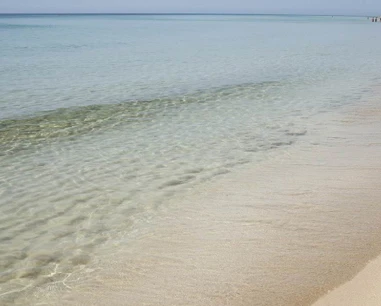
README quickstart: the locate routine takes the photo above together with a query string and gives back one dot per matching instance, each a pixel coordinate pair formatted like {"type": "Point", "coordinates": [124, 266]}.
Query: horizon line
{"type": "Point", "coordinates": [181, 13]}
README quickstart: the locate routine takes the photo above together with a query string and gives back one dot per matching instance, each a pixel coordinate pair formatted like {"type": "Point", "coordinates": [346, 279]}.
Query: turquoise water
{"type": "Point", "coordinates": [103, 118]}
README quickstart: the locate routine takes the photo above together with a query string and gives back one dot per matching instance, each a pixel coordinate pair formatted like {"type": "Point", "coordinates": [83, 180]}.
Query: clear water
{"type": "Point", "coordinates": [103, 118]}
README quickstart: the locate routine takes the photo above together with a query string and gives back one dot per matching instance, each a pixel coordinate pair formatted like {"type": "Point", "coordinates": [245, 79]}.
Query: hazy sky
{"type": "Point", "coordinates": [194, 6]}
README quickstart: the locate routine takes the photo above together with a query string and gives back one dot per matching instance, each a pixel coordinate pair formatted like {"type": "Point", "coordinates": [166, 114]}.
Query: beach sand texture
{"type": "Point", "coordinates": [363, 290]}
{"type": "Point", "coordinates": [281, 233]}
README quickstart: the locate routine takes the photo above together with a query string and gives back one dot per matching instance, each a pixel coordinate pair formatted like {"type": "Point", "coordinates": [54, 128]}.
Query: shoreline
{"type": "Point", "coordinates": [363, 289]}
{"type": "Point", "coordinates": [281, 233]}
{"type": "Point", "coordinates": [363, 286]}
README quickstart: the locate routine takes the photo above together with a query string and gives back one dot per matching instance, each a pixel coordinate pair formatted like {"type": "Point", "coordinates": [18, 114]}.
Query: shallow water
{"type": "Point", "coordinates": [103, 119]}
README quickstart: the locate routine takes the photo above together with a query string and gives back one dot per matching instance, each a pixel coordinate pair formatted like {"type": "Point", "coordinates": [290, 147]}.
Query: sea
{"type": "Point", "coordinates": [105, 118]}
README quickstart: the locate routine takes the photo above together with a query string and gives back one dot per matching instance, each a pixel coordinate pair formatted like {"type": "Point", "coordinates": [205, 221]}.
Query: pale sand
{"type": "Point", "coordinates": [281, 233]}
{"type": "Point", "coordinates": [363, 290]}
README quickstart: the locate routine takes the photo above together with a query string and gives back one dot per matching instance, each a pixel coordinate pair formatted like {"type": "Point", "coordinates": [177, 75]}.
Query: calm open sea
{"type": "Point", "coordinates": [103, 118]}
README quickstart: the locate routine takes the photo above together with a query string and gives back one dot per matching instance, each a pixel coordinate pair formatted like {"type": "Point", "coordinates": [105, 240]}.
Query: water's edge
{"type": "Point", "coordinates": [227, 238]}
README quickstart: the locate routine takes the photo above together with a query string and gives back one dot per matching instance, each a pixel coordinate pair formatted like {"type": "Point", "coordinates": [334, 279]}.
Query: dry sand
{"type": "Point", "coordinates": [363, 290]}
{"type": "Point", "coordinates": [281, 233]}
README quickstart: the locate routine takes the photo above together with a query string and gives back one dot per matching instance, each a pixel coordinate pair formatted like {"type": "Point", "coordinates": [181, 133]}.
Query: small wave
{"type": "Point", "coordinates": [277, 144]}
{"type": "Point", "coordinates": [177, 182]}
{"type": "Point", "coordinates": [296, 133]}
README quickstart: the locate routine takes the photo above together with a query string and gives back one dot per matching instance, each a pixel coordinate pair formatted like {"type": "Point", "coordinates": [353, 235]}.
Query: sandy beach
{"type": "Point", "coordinates": [365, 287]}
{"type": "Point", "coordinates": [189, 159]}
{"type": "Point", "coordinates": [224, 250]}
{"type": "Point", "coordinates": [363, 290]}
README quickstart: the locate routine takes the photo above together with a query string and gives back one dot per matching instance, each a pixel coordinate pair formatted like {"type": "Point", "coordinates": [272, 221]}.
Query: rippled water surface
{"type": "Point", "coordinates": [103, 118]}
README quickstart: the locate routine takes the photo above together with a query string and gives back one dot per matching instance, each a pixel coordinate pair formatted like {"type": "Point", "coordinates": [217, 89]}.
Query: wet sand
{"type": "Point", "coordinates": [283, 232]}
{"type": "Point", "coordinates": [363, 290]}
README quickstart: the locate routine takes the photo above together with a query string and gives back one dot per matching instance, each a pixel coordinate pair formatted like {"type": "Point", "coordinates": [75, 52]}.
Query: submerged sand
{"type": "Point", "coordinates": [281, 233]}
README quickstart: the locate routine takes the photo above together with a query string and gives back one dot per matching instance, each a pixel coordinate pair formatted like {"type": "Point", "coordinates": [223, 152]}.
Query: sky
{"type": "Point", "coordinates": [345, 7]}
